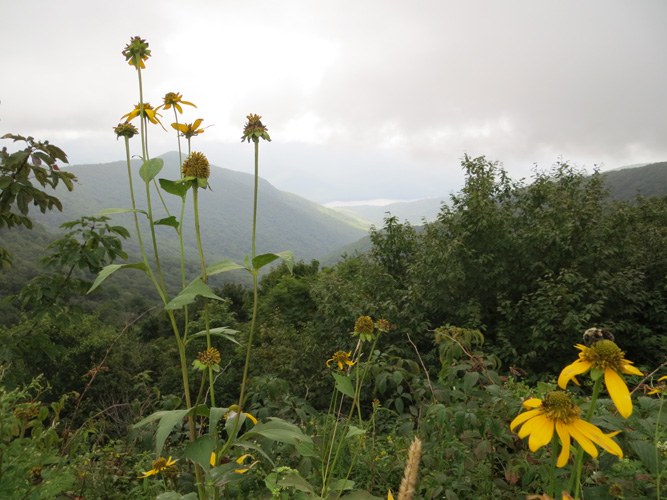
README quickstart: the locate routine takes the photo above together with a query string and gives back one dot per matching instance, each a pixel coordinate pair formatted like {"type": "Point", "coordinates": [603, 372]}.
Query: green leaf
{"type": "Point", "coordinates": [343, 384]}
{"type": "Point", "coordinates": [222, 332]}
{"type": "Point", "coordinates": [168, 221]}
{"type": "Point", "coordinates": [200, 451]}
{"type": "Point", "coordinates": [151, 168]}
{"type": "Point", "coordinates": [277, 429]}
{"type": "Point", "coordinates": [470, 379]}
{"type": "Point", "coordinates": [341, 484]}
{"type": "Point", "coordinates": [294, 480]}
{"type": "Point", "coordinates": [172, 187]}
{"type": "Point", "coordinates": [361, 495]}
{"type": "Point", "coordinates": [215, 415]}
{"type": "Point", "coordinates": [596, 373]}
{"type": "Point", "coordinates": [112, 268]}
{"type": "Point", "coordinates": [168, 419]}
{"type": "Point", "coordinates": [221, 267]}
{"type": "Point", "coordinates": [646, 453]}
{"type": "Point", "coordinates": [354, 431]}
{"type": "Point", "coordinates": [108, 211]}
{"type": "Point", "coordinates": [262, 260]}
{"type": "Point", "coordinates": [190, 293]}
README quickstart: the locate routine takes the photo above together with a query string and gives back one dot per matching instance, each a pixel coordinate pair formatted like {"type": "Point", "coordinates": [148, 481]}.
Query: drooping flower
{"type": "Point", "coordinates": [125, 130]}
{"type": "Point", "coordinates": [558, 412]}
{"type": "Point", "coordinates": [159, 465]}
{"type": "Point", "coordinates": [174, 99]}
{"type": "Point", "coordinates": [607, 358]}
{"type": "Point", "coordinates": [661, 388]}
{"type": "Point", "coordinates": [341, 357]}
{"type": "Point", "coordinates": [149, 113]}
{"type": "Point", "coordinates": [240, 460]}
{"type": "Point", "coordinates": [254, 129]}
{"type": "Point", "coordinates": [137, 47]}
{"type": "Point", "coordinates": [233, 411]}
{"type": "Point", "coordinates": [196, 165]}
{"type": "Point", "coordinates": [189, 130]}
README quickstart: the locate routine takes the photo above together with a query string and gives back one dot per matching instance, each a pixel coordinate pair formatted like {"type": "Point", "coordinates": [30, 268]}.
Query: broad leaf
{"type": "Point", "coordinates": [112, 268]}
{"type": "Point", "coordinates": [151, 168]}
{"type": "Point", "coordinates": [222, 266]}
{"type": "Point", "coordinates": [344, 384]}
{"type": "Point", "coordinates": [222, 332]}
{"type": "Point", "coordinates": [168, 419]}
{"type": "Point", "coordinates": [175, 188]}
{"type": "Point", "coordinates": [168, 221]}
{"type": "Point", "coordinates": [215, 415]}
{"type": "Point", "coordinates": [109, 211]}
{"type": "Point", "coordinates": [262, 260]}
{"type": "Point", "coordinates": [278, 430]}
{"type": "Point", "coordinates": [189, 294]}
{"type": "Point", "coordinates": [200, 451]}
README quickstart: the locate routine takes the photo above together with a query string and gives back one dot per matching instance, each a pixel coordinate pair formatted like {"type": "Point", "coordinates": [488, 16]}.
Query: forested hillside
{"type": "Point", "coordinates": [466, 317]}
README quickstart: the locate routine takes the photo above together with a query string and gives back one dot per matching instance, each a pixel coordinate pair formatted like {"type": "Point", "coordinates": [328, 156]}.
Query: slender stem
{"type": "Point", "coordinates": [552, 470]}
{"type": "Point", "coordinates": [656, 441]}
{"type": "Point", "coordinates": [575, 478]}
{"type": "Point", "coordinates": [254, 277]}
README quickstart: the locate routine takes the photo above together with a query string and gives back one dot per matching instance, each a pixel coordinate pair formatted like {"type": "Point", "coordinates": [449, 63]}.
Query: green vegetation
{"type": "Point", "coordinates": [423, 362]}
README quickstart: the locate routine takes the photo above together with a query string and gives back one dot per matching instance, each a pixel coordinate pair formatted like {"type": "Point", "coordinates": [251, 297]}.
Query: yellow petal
{"type": "Point", "coordinates": [541, 435]}
{"type": "Point", "coordinates": [254, 420]}
{"type": "Point", "coordinates": [532, 403]}
{"type": "Point", "coordinates": [564, 436]}
{"type": "Point", "coordinates": [629, 369]}
{"type": "Point", "coordinates": [618, 391]}
{"type": "Point", "coordinates": [533, 424]}
{"type": "Point", "coordinates": [521, 418]}
{"type": "Point", "coordinates": [212, 460]}
{"type": "Point", "coordinates": [572, 370]}
{"type": "Point", "coordinates": [600, 438]}
{"type": "Point", "coordinates": [178, 107]}
{"type": "Point", "coordinates": [197, 122]}
{"type": "Point", "coordinates": [662, 378]}
{"type": "Point", "coordinates": [390, 496]}
{"type": "Point", "coordinates": [579, 433]}
{"type": "Point", "coordinates": [188, 103]}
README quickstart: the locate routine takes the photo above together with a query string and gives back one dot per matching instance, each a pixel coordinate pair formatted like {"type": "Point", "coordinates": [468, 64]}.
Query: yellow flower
{"type": "Point", "coordinates": [558, 412]}
{"type": "Point", "coordinates": [239, 460]}
{"type": "Point", "coordinates": [390, 496]}
{"type": "Point", "coordinates": [149, 113]}
{"type": "Point", "coordinates": [566, 496]}
{"type": "Point", "coordinates": [341, 357]}
{"type": "Point", "coordinates": [660, 388]}
{"type": "Point", "coordinates": [174, 99]}
{"type": "Point", "coordinates": [137, 47]}
{"type": "Point", "coordinates": [234, 409]}
{"type": "Point", "coordinates": [159, 465]}
{"type": "Point", "coordinates": [189, 129]}
{"type": "Point", "coordinates": [606, 357]}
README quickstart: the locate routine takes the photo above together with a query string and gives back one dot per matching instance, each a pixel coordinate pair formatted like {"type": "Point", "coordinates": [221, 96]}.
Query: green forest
{"type": "Point", "coordinates": [513, 347]}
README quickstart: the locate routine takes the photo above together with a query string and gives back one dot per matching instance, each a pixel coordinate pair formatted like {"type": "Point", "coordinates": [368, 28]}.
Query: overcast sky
{"type": "Point", "coordinates": [363, 99]}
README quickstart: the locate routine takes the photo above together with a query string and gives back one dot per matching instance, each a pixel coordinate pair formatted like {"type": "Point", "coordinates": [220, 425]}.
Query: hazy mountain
{"type": "Point", "coordinates": [648, 180]}
{"type": "Point", "coordinates": [285, 221]}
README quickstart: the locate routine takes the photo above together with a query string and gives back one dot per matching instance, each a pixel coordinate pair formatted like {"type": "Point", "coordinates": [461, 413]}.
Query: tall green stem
{"type": "Point", "coordinates": [575, 478]}
{"type": "Point", "coordinates": [254, 278]}
{"type": "Point", "coordinates": [656, 441]}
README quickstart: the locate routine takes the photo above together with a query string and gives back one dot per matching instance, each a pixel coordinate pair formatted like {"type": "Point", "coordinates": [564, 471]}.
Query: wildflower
{"type": "Point", "coordinates": [566, 496]}
{"type": "Point", "coordinates": [661, 388]}
{"type": "Point", "coordinates": [382, 325]}
{"type": "Point", "coordinates": [125, 130]}
{"type": "Point", "coordinates": [189, 130]}
{"type": "Point", "coordinates": [233, 411]}
{"type": "Point", "coordinates": [254, 129]}
{"type": "Point", "coordinates": [390, 496]}
{"type": "Point", "coordinates": [138, 47]}
{"type": "Point", "coordinates": [209, 357]}
{"type": "Point", "coordinates": [558, 412]}
{"type": "Point", "coordinates": [605, 357]}
{"type": "Point", "coordinates": [196, 165]}
{"type": "Point", "coordinates": [174, 99]}
{"type": "Point", "coordinates": [159, 465]}
{"type": "Point", "coordinates": [149, 113]}
{"type": "Point", "coordinates": [341, 357]}
{"type": "Point", "coordinates": [364, 328]}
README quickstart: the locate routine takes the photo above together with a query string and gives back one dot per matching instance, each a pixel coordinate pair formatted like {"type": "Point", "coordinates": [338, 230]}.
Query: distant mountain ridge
{"type": "Point", "coordinates": [285, 221]}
